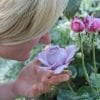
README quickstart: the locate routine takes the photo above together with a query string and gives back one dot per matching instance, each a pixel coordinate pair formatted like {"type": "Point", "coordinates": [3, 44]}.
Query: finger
{"type": "Point", "coordinates": [67, 72]}
{"type": "Point", "coordinates": [46, 73]}
{"type": "Point", "coordinates": [36, 66]}
{"type": "Point", "coordinates": [40, 89]}
{"type": "Point", "coordinates": [45, 76]}
{"type": "Point", "coordinates": [35, 90]}
{"type": "Point", "coordinates": [36, 62]}
{"type": "Point", "coordinates": [49, 73]}
{"type": "Point", "coordinates": [45, 83]}
{"type": "Point", "coordinates": [44, 80]}
{"type": "Point", "coordinates": [54, 80]}
{"type": "Point", "coordinates": [43, 88]}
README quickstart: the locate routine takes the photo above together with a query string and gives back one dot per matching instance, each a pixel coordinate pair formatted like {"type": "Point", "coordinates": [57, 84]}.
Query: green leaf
{"type": "Point", "coordinates": [74, 71]}
{"type": "Point", "coordinates": [65, 94]}
{"type": "Point", "coordinates": [72, 7]}
{"type": "Point", "coordinates": [95, 80]}
{"type": "Point", "coordinates": [90, 92]}
{"type": "Point", "coordinates": [86, 90]}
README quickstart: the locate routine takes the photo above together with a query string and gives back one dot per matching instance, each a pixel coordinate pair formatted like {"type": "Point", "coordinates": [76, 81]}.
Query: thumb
{"type": "Point", "coordinates": [36, 65]}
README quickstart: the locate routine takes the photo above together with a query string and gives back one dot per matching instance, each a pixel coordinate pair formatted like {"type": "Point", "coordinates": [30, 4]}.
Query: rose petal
{"type": "Point", "coordinates": [60, 69]}
{"type": "Point", "coordinates": [71, 50]}
{"type": "Point", "coordinates": [56, 55]}
{"type": "Point", "coordinates": [53, 67]}
{"type": "Point", "coordinates": [42, 58]}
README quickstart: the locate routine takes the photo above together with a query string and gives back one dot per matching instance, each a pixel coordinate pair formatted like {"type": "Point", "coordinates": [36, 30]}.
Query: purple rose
{"type": "Point", "coordinates": [56, 58]}
{"type": "Point", "coordinates": [92, 24]}
{"type": "Point", "coordinates": [77, 25]}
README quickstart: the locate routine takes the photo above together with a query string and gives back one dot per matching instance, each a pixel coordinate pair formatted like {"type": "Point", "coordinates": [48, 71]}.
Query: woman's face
{"type": "Point", "coordinates": [21, 52]}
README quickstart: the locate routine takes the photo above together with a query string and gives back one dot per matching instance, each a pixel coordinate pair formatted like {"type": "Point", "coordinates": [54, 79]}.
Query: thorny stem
{"type": "Point", "coordinates": [70, 87]}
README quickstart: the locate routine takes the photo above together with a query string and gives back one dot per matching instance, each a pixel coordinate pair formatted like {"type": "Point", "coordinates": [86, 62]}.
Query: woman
{"type": "Point", "coordinates": [24, 24]}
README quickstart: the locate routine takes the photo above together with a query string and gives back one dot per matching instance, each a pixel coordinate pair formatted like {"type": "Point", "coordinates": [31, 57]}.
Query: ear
{"type": "Point", "coordinates": [46, 39]}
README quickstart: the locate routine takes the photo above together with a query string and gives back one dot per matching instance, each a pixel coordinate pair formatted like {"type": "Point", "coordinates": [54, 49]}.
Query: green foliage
{"type": "Point", "coordinates": [83, 93]}
{"type": "Point", "coordinates": [60, 36]}
{"type": "Point", "coordinates": [87, 90]}
{"type": "Point", "coordinates": [90, 7]}
{"type": "Point", "coordinates": [95, 80]}
{"type": "Point", "coordinates": [72, 7]}
{"type": "Point", "coordinates": [13, 71]}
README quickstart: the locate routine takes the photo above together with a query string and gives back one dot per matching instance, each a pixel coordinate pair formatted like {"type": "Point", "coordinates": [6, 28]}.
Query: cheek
{"type": "Point", "coordinates": [22, 53]}
{"type": "Point", "coordinates": [28, 47]}
{"type": "Point", "coordinates": [25, 48]}
{"type": "Point", "coordinates": [46, 39]}
{"type": "Point", "coordinates": [18, 52]}
{"type": "Point", "coordinates": [25, 53]}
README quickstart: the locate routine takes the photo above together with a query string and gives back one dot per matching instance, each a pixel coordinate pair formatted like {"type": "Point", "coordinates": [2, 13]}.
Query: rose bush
{"type": "Point", "coordinates": [57, 58]}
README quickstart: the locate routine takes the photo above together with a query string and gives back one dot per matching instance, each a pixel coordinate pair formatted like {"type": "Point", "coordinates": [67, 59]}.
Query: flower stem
{"type": "Point", "coordinates": [93, 49]}
{"type": "Point", "coordinates": [70, 87]}
{"type": "Point", "coordinates": [83, 63]}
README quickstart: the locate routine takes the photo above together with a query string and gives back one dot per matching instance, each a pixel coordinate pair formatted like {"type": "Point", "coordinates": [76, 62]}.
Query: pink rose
{"type": "Point", "coordinates": [77, 25]}
{"type": "Point", "coordinates": [92, 24]}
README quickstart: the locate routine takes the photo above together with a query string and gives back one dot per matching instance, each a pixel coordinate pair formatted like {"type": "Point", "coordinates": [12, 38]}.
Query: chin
{"type": "Point", "coordinates": [17, 57]}
{"type": "Point", "coordinates": [23, 57]}
{"type": "Point", "coordinates": [20, 58]}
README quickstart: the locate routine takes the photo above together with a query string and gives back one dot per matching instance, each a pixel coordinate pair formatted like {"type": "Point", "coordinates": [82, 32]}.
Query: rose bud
{"type": "Point", "coordinates": [77, 25]}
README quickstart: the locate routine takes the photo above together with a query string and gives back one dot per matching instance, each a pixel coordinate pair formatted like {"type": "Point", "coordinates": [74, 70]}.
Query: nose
{"type": "Point", "coordinates": [46, 39]}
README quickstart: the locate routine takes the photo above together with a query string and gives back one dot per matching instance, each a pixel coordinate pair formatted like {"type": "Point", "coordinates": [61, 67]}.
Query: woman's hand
{"type": "Point", "coordinates": [34, 80]}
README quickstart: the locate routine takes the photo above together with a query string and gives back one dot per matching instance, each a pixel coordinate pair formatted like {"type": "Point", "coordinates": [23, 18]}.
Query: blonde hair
{"type": "Point", "coordinates": [22, 20]}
